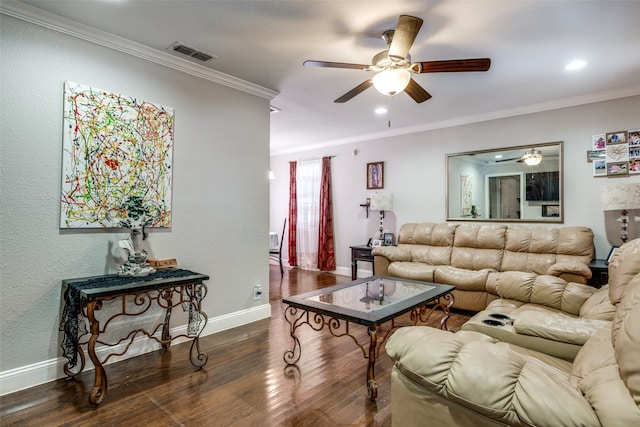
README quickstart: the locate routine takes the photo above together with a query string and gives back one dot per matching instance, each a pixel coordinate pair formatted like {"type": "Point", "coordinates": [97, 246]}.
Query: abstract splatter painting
{"type": "Point", "coordinates": [114, 147]}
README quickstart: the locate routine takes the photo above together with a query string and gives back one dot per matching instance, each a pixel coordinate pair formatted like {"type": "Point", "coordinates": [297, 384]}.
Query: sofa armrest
{"type": "Point", "coordinates": [573, 268]}
{"type": "Point", "coordinates": [392, 253]}
{"type": "Point", "coordinates": [557, 327]}
{"type": "Point", "coordinates": [488, 378]}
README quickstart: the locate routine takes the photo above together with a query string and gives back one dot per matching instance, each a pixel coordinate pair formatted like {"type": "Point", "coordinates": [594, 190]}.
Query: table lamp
{"type": "Point", "coordinates": [381, 202]}
{"type": "Point", "coordinates": [621, 197]}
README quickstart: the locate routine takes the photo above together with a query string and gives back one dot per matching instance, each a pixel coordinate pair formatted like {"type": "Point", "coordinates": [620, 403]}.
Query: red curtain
{"type": "Point", "coordinates": [326, 253]}
{"type": "Point", "coordinates": [293, 215]}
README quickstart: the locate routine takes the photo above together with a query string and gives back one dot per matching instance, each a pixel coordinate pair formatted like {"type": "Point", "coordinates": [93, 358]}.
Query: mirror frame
{"type": "Point", "coordinates": [503, 150]}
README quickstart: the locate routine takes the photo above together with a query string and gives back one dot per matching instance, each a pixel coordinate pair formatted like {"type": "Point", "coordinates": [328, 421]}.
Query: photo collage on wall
{"type": "Point", "coordinates": [615, 153]}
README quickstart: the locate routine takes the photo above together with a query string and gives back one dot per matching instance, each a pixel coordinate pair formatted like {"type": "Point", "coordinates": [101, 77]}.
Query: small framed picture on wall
{"type": "Point", "coordinates": [619, 137]}
{"type": "Point", "coordinates": [375, 176]}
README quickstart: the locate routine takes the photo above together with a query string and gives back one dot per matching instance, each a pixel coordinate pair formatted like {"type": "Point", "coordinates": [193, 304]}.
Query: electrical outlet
{"type": "Point", "coordinates": [257, 292]}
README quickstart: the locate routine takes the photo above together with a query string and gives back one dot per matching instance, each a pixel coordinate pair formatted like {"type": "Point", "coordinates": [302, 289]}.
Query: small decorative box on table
{"type": "Point", "coordinates": [135, 295]}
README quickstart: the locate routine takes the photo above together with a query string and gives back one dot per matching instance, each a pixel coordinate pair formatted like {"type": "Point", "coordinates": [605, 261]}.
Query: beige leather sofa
{"type": "Point", "coordinates": [552, 316]}
{"type": "Point", "coordinates": [470, 379]}
{"type": "Point", "coordinates": [475, 258]}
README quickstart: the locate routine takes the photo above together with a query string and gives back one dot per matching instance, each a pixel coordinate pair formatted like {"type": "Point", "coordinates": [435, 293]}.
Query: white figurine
{"type": "Point", "coordinates": [137, 218]}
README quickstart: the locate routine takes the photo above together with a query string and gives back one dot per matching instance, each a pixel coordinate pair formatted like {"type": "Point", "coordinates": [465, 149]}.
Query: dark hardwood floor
{"type": "Point", "coordinates": [245, 382]}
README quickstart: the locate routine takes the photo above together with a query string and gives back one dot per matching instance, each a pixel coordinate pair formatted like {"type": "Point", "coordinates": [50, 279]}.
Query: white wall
{"type": "Point", "coordinates": [220, 188]}
{"type": "Point", "coordinates": [414, 170]}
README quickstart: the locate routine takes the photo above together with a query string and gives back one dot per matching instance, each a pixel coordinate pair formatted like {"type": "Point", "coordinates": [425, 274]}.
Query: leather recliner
{"type": "Point", "coordinates": [552, 316]}
{"type": "Point", "coordinates": [470, 379]}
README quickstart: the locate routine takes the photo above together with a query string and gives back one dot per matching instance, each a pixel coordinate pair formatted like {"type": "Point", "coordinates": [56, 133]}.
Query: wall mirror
{"type": "Point", "coordinates": [522, 184]}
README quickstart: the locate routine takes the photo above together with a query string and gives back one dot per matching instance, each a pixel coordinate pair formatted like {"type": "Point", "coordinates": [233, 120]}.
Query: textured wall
{"type": "Point", "coordinates": [220, 188]}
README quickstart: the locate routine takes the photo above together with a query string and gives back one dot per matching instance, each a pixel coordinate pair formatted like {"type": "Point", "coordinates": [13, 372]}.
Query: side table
{"type": "Point", "coordinates": [360, 253]}
{"type": "Point", "coordinates": [600, 273]}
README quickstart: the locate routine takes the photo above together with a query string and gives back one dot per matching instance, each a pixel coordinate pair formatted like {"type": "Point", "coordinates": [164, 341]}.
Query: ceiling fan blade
{"type": "Point", "coordinates": [451, 66]}
{"type": "Point", "coordinates": [326, 64]}
{"type": "Point", "coordinates": [404, 36]}
{"type": "Point", "coordinates": [355, 91]}
{"type": "Point", "coordinates": [415, 91]}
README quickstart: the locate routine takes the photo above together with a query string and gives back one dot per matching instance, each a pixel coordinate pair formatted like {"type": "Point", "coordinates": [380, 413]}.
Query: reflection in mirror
{"type": "Point", "coordinates": [508, 184]}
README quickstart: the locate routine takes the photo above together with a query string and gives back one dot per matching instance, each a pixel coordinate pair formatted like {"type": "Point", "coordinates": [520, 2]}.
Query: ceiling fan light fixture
{"type": "Point", "coordinates": [532, 157]}
{"type": "Point", "coordinates": [391, 81]}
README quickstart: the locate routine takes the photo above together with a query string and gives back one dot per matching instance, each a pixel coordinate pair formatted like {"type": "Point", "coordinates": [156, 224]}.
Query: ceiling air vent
{"type": "Point", "coordinates": [191, 52]}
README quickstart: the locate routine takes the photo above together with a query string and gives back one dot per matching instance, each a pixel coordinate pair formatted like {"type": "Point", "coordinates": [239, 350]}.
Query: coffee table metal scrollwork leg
{"type": "Point", "coordinates": [293, 317]}
{"type": "Point", "coordinates": [445, 302]}
{"type": "Point", "coordinates": [372, 386]}
{"type": "Point", "coordinates": [99, 391]}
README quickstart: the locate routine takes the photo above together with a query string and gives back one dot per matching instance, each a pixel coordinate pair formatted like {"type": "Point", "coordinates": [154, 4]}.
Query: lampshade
{"type": "Point", "coordinates": [532, 157]}
{"type": "Point", "coordinates": [391, 81]}
{"type": "Point", "coordinates": [381, 201]}
{"type": "Point", "coordinates": [617, 197]}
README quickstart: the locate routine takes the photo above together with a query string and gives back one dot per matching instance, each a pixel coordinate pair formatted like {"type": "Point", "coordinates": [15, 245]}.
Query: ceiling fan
{"type": "Point", "coordinates": [393, 67]}
{"type": "Point", "coordinates": [531, 157]}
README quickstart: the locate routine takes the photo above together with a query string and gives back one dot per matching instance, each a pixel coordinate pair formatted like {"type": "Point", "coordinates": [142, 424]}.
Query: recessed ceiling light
{"type": "Point", "coordinates": [575, 65]}
{"type": "Point", "coordinates": [381, 110]}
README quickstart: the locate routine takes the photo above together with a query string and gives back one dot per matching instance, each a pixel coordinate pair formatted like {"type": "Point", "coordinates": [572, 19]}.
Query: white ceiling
{"type": "Point", "coordinates": [265, 43]}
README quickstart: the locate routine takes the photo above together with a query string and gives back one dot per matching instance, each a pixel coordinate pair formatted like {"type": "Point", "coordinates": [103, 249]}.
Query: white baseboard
{"type": "Point", "coordinates": [49, 370]}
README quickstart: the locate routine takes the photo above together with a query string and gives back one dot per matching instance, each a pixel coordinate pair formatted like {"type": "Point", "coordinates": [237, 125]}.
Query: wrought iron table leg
{"type": "Point", "coordinates": [372, 387]}
{"type": "Point", "coordinates": [67, 368]}
{"type": "Point", "coordinates": [291, 357]}
{"type": "Point", "coordinates": [445, 302]}
{"type": "Point", "coordinates": [196, 356]}
{"type": "Point", "coordinates": [99, 391]}
{"type": "Point", "coordinates": [166, 335]}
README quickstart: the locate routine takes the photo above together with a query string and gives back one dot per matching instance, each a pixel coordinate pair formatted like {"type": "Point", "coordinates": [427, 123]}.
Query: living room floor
{"type": "Point", "coordinates": [245, 382]}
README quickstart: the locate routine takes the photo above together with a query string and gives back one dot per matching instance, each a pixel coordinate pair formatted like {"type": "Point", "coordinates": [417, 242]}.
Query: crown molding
{"type": "Point", "coordinates": [494, 115]}
{"type": "Point", "coordinates": [81, 31]}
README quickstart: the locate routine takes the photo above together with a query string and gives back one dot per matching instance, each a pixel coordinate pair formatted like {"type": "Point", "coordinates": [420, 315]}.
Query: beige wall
{"type": "Point", "coordinates": [220, 195]}
{"type": "Point", "coordinates": [414, 169]}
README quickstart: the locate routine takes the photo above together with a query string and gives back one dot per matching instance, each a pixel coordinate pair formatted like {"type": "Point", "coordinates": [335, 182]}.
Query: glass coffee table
{"type": "Point", "coordinates": [371, 302]}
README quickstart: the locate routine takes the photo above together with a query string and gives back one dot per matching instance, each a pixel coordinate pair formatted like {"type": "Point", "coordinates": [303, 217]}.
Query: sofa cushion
{"type": "Point", "coordinates": [545, 290]}
{"type": "Point", "coordinates": [537, 249]}
{"type": "Point", "coordinates": [436, 255]}
{"type": "Point", "coordinates": [624, 265]}
{"type": "Point", "coordinates": [427, 242]}
{"type": "Point", "coordinates": [625, 336]}
{"type": "Point", "coordinates": [596, 353]}
{"type": "Point", "coordinates": [610, 398]}
{"type": "Point", "coordinates": [477, 247]}
{"type": "Point", "coordinates": [575, 244]}
{"type": "Point", "coordinates": [530, 249]}
{"type": "Point", "coordinates": [412, 270]}
{"type": "Point", "coordinates": [462, 279]}
{"type": "Point", "coordinates": [433, 234]}
{"type": "Point", "coordinates": [598, 306]}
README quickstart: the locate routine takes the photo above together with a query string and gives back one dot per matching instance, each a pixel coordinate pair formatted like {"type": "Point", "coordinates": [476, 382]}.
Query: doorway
{"type": "Point", "coordinates": [504, 196]}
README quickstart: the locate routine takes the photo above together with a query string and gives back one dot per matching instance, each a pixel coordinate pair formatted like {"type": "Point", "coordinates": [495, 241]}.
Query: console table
{"type": "Point", "coordinates": [360, 253]}
{"type": "Point", "coordinates": [132, 296]}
